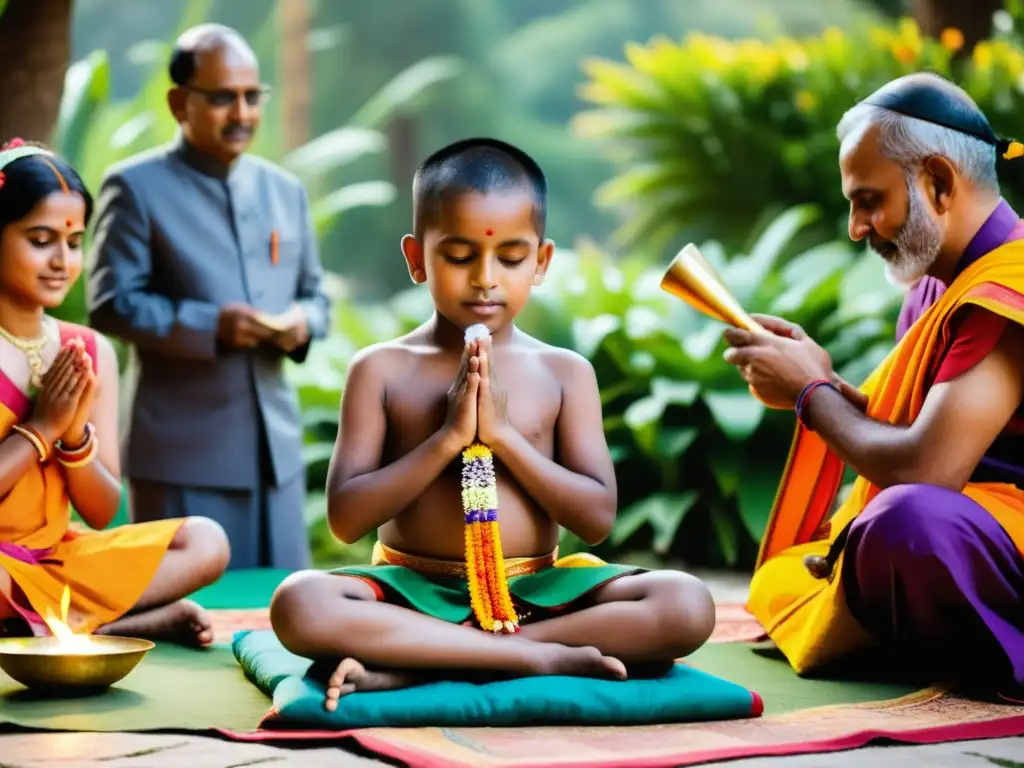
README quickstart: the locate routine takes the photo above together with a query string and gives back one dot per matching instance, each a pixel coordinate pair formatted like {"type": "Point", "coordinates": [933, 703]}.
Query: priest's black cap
{"type": "Point", "coordinates": [931, 98]}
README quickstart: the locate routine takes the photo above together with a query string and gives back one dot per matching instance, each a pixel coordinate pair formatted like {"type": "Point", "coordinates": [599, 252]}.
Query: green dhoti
{"type": "Point", "coordinates": [540, 587]}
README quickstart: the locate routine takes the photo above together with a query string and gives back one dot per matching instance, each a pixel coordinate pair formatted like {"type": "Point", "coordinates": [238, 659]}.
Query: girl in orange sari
{"type": "Point", "coordinates": [59, 441]}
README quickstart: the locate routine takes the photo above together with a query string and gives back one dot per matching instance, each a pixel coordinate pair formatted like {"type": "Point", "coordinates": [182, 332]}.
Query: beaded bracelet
{"type": "Point", "coordinates": [35, 437]}
{"type": "Point", "coordinates": [801, 401]}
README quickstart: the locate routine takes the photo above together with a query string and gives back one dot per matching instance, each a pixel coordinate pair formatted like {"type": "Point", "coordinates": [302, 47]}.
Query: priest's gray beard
{"type": "Point", "coordinates": [917, 244]}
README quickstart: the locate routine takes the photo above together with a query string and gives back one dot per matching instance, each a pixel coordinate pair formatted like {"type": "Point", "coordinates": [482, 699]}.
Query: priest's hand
{"type": "Point", "coordinates": [778, 364]}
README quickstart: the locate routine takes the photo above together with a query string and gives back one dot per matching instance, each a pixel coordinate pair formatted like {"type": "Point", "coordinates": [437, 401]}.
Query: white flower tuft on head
{"type": "Point", "coordinates": [477, 331]}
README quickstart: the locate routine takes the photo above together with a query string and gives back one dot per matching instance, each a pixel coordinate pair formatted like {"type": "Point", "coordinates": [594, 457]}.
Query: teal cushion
{"type": "Point", "coordinates": [684, 695]}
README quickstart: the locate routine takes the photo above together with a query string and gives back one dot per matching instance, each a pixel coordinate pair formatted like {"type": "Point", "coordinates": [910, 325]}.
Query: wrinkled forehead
{"type": "Point", "coordinates": [864, 168]}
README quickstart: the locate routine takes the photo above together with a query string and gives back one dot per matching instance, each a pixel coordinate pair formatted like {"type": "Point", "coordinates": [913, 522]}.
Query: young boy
{"type": "Point", "coordinates": [411, 406]}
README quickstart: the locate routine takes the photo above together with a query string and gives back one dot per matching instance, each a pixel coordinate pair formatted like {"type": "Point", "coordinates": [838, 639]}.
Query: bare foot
{"type": "Point", "coordinates": [184, 622]}
{"type": "Point", "coordinates": [539, 659]}
{"type": "Point", "coordinates": [555, 659]}
{"type": "Point", "coordinates": [351, 676]}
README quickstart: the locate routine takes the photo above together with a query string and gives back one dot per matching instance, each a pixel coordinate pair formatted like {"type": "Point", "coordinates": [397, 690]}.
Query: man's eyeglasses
{"type": "Point", "coordinates": [225, 97]}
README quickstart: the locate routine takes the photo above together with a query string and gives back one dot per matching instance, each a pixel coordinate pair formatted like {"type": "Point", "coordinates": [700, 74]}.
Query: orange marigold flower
{"type": "Point", "coordinates": [904, 54]}
{"type": "Point", "coordinates": [952, 39]}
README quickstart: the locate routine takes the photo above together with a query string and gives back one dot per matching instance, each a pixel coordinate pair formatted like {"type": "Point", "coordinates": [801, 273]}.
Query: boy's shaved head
{"type": "Point", "coordinates": [477, 165]}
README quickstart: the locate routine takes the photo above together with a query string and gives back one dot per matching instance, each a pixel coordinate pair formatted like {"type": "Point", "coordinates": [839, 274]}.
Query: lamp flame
{"type": "Point", "coordinates": [67, 639]}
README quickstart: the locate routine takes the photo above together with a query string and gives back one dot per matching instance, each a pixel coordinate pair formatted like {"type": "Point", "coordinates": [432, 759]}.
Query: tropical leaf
{"type": "Point", "coordinates": [406, 90]}
{"type": "Point", "coordinates": [334, 149]}
{"type": "Point", "coordinates": [365, 193]}
{"type": "Point", "coordinates": [86, 92]}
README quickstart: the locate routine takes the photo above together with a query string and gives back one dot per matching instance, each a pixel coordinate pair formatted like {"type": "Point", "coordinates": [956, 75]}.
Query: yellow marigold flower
{"type": "Point", "coordinates": [1015, 150]}
{"type": "Point", "coordinates": [793, 54]}
{"type": "Point", "coordinates": [952, 39]}
{"type": "Point", "coordinates": [881, 37]}
{"type": "Point", "coordinates": [983, 56]}
{"type": "Point", "coordinates": [805, 101]}
{"type": "Point", "coordinates": [477, 451]}
{"type": "Point", "coordinates": [833, 36]}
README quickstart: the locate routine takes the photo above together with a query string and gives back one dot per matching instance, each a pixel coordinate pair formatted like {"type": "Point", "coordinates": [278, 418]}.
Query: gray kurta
{"type": "Point", "coordinates": [212, 432]}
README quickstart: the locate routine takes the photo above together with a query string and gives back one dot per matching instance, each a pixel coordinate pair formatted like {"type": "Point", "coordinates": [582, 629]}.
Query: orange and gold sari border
{"type": "Point", "coordinates": [429, 566]}
{"type": "Point", "coordinates": [814, 492]}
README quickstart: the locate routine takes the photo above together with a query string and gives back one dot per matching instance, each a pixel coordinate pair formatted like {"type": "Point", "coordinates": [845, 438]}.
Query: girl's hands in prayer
{"type": "Point", "coordinates": [462, 396]}
{"type": "Point", "coordinates": [778, 364]}
{"type": "Point", "coordinates": [492, 410]}
{"type": "Point", "coordinates": [58, 399]}
{"type": "Point", "coordinates": [74, 435]}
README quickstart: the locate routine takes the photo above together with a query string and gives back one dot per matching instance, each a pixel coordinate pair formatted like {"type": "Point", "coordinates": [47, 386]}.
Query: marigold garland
{"type": "Point", "coordinates": [485, 563]}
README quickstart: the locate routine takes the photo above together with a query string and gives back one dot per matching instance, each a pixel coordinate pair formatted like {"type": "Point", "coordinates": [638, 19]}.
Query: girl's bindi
{"type": "Point", "coordinates": [490, 232]}
{"type": "Point", "coordinates": [68, 223]}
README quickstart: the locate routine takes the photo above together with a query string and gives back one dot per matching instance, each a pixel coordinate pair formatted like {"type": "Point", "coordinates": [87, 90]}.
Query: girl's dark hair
{"type": "Point", "coordinates": [28, 180]}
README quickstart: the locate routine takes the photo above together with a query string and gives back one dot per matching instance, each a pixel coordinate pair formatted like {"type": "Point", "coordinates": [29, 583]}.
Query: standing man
{"type": "Point", "coordinates": [205, 259]}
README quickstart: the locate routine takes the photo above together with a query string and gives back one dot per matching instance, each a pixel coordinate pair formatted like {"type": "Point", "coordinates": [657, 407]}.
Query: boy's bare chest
{"type": "Point", "coordinates": [417, 401]}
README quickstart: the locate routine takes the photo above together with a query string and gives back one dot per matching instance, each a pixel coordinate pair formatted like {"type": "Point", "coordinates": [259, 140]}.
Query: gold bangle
{"type": "Point", "coordinates": [37, 440]}
{"type": "Point", "coordinates": [76, 462]}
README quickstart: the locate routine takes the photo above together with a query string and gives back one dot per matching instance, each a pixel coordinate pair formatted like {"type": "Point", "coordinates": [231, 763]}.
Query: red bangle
{"type": "Point", "coordinates": [801, 401]}
{"type": "Point", "coordinates": [70, 454]}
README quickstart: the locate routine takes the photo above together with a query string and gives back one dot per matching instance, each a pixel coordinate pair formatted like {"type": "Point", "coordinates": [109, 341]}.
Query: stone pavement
{"type": "Point", "coordinates": [139, 750]}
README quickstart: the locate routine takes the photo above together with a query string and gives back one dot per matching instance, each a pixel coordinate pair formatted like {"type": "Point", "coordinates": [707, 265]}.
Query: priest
{"type": "Point", "coordinates": [922, 560]}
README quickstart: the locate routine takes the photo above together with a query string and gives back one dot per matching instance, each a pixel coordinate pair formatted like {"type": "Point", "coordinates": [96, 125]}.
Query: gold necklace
{"type": "Point", "coordinates": [31, 348]}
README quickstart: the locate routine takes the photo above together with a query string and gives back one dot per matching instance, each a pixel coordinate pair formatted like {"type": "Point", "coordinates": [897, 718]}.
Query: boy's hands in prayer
{"type": "Point", "coordinates": [462, 399]}
{"type": "Point", "coordinates": [778, 364]}
{"type": "Point", "coordinates": [63, 385]}
{"type": "Point", "coordinates": [492, 409]}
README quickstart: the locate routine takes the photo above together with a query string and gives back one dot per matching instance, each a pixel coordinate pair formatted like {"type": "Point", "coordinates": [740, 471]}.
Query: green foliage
{"type": "Point", "coordinates": [709, 131]}
{"type": "Point", "coordinates": [697, 457]}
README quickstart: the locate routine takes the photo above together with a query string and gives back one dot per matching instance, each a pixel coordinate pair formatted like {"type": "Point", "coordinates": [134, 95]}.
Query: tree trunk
{"type": "Point", "coordinates": [35, 51]}
{"type": "Point", "coordinates": [972, 17]}
{"type": "Point", "coordinates": [293, 20]}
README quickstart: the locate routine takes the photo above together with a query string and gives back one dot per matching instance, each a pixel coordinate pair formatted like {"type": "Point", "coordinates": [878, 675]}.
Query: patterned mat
{"type": "Point", "coordinates": [926, 717]}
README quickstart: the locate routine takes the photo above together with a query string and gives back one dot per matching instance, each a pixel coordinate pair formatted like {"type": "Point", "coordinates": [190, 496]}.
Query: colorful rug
{"type": "Point", "coordinates": [925, 717]}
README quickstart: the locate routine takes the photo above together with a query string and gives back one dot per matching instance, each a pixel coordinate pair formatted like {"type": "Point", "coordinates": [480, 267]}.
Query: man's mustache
{"type": "Point", "coordinates": [236, 128]}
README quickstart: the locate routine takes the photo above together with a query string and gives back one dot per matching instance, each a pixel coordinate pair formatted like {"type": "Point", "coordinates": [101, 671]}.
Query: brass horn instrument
{"type": "Point", "coordinates": [691, 278]}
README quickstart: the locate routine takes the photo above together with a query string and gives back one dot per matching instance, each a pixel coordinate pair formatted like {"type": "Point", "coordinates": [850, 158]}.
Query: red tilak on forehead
{"type": "Point", "coordinates": [68, 223]}
{"type": "Point", "coordinates": [490, 232]}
